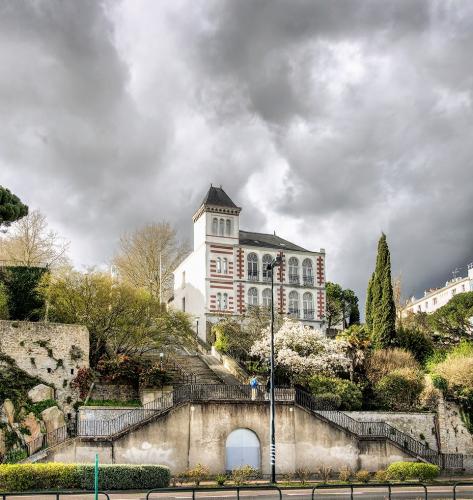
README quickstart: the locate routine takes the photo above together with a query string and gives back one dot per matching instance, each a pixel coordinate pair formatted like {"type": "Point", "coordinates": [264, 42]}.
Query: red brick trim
{"type": "Point", "coordinates": [320, 271]}
{"type": "Point", "coordinates": [320, 304]}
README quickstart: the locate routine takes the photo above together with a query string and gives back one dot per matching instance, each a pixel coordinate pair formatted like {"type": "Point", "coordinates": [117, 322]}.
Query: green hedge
{"type": "Point", "coordinates": [33, 477]}
{"type": "Point", "coordinates": [412, 470]}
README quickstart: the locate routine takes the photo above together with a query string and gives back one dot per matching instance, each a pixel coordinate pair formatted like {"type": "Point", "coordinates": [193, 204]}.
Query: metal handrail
{"type": "Point", "coordinates": [460, 483]}
{"type": "Point", "coordinates": [223, 488]}
{"type": "Point", "coordinates": [389, 486]}
{"type": "Point", "coordinates": [52, 438]}
{"type": "Point", "coordinates": [54, 493]}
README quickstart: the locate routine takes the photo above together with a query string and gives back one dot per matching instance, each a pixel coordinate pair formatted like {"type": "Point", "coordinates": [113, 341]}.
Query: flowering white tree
{"type": "Point", "coordinates": [303, 351]}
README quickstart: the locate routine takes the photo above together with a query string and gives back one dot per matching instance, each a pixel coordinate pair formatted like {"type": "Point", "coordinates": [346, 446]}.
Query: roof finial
{"type": "Point", "coordinates": [274, 232]}
{"type": "Point", "coordinates": [211, 185]}
{"type": "Point", "coordinates": [220, 186]}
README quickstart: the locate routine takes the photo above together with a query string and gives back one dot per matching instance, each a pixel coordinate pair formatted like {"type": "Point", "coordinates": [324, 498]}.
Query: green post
{"type": "Point", "coordinates": [96, 477]}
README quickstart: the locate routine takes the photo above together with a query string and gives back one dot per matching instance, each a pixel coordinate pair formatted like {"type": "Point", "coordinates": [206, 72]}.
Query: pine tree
{"type": "Point", "coordinates": [383, 309]}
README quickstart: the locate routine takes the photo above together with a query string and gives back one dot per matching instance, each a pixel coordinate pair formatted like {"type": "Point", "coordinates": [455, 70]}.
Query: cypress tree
{"type": "Point", "coordinates": [383, 309]}
{"type": "Point", "coordinates": [368, 305]}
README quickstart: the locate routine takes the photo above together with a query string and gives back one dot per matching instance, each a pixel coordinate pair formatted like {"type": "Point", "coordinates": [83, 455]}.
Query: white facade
{"type": "Point", "coordinates": [436, 298]}
{"type": "Point", "coordinates": [225, 274]}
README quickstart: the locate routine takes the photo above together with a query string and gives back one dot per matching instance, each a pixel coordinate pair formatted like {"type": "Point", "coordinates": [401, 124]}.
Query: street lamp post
{"type": "Point", "coordinates": [272, 447]}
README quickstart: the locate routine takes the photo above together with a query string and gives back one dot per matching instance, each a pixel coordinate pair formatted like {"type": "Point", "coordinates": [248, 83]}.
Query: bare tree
{"type": "Point", "coordinates": [31, 243]}
{"type": "Point", "coordinates": [148, 256]}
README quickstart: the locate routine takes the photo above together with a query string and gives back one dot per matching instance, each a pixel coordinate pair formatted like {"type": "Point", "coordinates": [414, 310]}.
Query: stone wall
{"type": "Point", "coordinates": [421, 426]}
{"type": "Point", "coordinates": [197, 433]}
{"type": "Point", "coordinates": [116, 392]}
{"type": "Point", "coordinates": [454, 436]}
{"type": "Point", "coordinates": [50, 351]}
{"type": "Point", "coordinates": [94, 413]}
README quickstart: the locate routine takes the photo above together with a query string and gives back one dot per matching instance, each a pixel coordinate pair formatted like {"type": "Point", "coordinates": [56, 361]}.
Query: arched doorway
{"type": "Point", "coordinates": [242, 448]}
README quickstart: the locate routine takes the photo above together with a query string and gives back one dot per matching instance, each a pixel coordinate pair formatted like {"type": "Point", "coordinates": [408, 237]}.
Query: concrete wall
{"type": "Point", "coordinates": [413, 424]}
{"type": "Point", "coordinates": [197, 433]}
{"type": "Point", "coordinates": [49, 351]}
{"type": "Point", "coordinates": [118, 392]}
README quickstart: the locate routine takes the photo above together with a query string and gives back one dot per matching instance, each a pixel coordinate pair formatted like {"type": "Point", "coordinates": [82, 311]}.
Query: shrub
{"type": "Point", "coordinates": [412, 470]}
{"type": "Point", "coordinates": [243, 474]}
{"type": "Point", "coordinates": [456, 371]}
{"type": "Point", "coordinates": [221, 479]}
{"type": "Point", "coordinates": [400, 390]}
{"type": "Point", "coordinates": [362, 476]}
{"type": "Point", "coordinates": [82, 381]}
{"type": "Point", "coordinates": [324, 473]}
{"type": "Point", "coordinates": [439, 382]}
{"type": "Point", "coordinates": [384, 361]}
{"type": "Point", "coordinates": [327, 401]}
{"type": "Point", "coordinates": [24, 477]}
{"type": "Point", "coordinates": [198, 474]}
{"type": "Point", "coordinates": [345, 474]}
{"type": "Point", "coordinates": [351, 397]}
{"type": "Point", "coordinates": [415, 341]}
{"type": "Point", "coordinates": [302, 475]}
{"type": "Point", "coordinates": [381, 476]}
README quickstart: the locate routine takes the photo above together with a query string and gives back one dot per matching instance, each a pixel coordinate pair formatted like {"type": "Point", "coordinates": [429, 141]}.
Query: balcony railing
{"type": "Point", "coordinates": [252, 276]}
{"type": "Point", "coordinates": [308, 280]}
{"type": "Point", "coordinates": [293, 312]}
{"type": "Point", "coordinates": [308, 314]}
{"type": "Point", "coordinates": [266, 277]}
{"type": "Point", "coordinates": [294, 279]}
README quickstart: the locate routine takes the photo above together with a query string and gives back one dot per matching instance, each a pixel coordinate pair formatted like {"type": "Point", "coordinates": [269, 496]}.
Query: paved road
{"type": "Point", "coordinates": [410, 493]}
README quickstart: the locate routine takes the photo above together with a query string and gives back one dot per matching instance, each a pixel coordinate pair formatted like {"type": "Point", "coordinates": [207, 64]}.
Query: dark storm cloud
{"type": "Point", "coordinates": [327, 121]}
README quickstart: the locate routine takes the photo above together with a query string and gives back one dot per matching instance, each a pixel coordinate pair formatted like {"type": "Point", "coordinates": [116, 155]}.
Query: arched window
{"type": "Point", "coordinates": [267, 259]}
{"type": "Point", "coordinates": [253, 297]}
{"type": "Point", "coordinates": [215, 226]}
{"type": "Point", "coordinates": [219, 265]}
{"type": "Point", "coordinates": [225, 265]}
{"type": "Point", "coordinates": [294, 304]}
{"type": "Point", "coordinates": [308, 305]}
{"type": "Point", "coordinates": [242, 448]}
{"type": "Point", "coordinates": [266, 297]}
{"type": "Point", "coordinates": [228, 227]}
{"type": "Point", "coordinates": [307, 272]}
{"type": "Point", "coordinates": [221, 230]}
{"type": "Point", "coordinates": [293, 270]}
{"type": "Point", "coordinates": [225, 301]}
{"type": "Point", "coordinates": [252, 261]}
{"type": "Point", "coordinates": [219, 301]}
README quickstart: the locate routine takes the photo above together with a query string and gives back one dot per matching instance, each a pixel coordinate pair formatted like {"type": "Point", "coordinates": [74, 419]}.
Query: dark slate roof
{"type": "Point", "coordinates": [218, 197]}
{"type": "Point", "coordinates": [268, 241]}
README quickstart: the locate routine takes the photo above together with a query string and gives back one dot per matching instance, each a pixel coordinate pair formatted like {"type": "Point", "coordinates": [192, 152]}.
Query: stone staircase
{"type": "Point", "coordinates": [210, 372]}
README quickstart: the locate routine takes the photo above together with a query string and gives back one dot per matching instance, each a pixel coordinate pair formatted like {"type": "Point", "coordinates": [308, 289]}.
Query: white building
{"type": "Point", "coordinates": [438, 297]}
{"type": "Point", "coordinates": [226, 272]}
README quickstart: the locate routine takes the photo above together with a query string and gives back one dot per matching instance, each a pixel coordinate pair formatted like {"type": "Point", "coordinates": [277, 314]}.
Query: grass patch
{"type": "Point", "coordinates": [113, 402]}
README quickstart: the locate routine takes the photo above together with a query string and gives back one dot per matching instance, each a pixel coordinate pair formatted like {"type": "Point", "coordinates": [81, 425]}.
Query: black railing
{"type": "Point", "coordinates": [380, 430]}
{"type": "Point", "coordinates": [294, 279]}
{"type": "Point", "coordinates": [260, 488]}
{"type": "Point", "coordinates": [307, 280]}
{"type": "Point", "coordinates": [252, 276]}
{"type": "Point", "coordinates": [309, 314]}
{"type": "Point", "coordinates": [52, 438]}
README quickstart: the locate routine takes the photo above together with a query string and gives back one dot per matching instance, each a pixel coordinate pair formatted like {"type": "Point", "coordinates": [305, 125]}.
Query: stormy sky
{"type": "Point", "coordinates": [327, 121]}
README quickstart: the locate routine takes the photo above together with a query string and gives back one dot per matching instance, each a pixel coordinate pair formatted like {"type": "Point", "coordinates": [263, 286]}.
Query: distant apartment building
{"type": "Point", "coordinates": [227, 271]}
{"type": "Point", "coordinates": [438, 297]}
